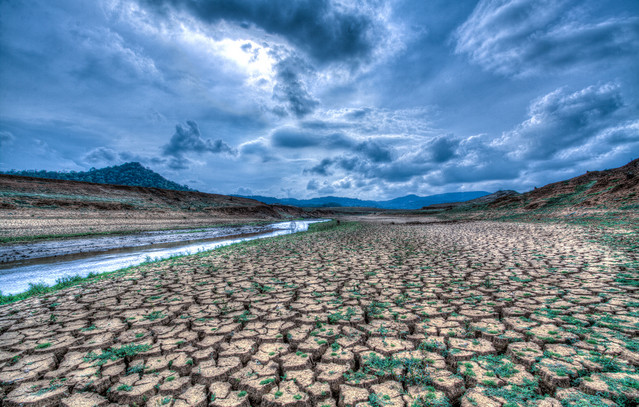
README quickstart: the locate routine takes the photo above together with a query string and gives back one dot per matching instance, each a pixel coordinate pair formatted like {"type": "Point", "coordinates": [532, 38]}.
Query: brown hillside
{"type": "Point", "coordinates": [17, 191]}
{"type": "Point", "coordinates": [498, 196]}
{"type": "Point", "coordinates": [36, 206]}
{"type": "Point", "coordinates": [613, 188]}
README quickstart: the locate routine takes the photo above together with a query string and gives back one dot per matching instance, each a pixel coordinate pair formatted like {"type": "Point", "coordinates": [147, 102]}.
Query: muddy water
{"type": "Point", "coordinates": [61, 260]}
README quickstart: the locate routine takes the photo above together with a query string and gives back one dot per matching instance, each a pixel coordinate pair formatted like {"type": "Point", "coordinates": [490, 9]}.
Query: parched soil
{"type": "Point", "coordinates": [470, 314]}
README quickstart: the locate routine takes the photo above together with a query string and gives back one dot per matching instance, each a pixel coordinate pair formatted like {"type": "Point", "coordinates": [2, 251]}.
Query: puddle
{"type": "Point", "coordinates": [15, 276]}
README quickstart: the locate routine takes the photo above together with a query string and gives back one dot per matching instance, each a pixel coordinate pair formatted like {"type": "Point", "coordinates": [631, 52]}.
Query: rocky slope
{"type": "Point", "coordinates": [613, 188]}
{"type": "Point", "coordinates": [616, 188]}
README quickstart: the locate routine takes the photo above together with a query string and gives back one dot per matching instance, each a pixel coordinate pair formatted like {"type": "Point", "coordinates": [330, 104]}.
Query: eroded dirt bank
{"type": "Point", "coordinates": [472, 314]}
{"type": "Point", "coordinates": [34, 223]}
{"type": "Point", "coordinates": [35, 208]}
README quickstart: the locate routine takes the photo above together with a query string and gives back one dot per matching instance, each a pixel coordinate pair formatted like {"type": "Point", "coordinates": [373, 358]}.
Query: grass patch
{"type": "Point", "coordinates": [322, 226]}
{"type": "Point", "coordinates": [61, 283]}
{"type": "Point", "coordinates": [112, 354]}
{"type": "Point", "coordinates": [40, 288]}
{"type": "Point", "coordinates": [517, 395]}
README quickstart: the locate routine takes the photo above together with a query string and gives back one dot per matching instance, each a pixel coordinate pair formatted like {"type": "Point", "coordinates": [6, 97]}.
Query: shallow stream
{"type": "Point", "coordinates": [15, 276]}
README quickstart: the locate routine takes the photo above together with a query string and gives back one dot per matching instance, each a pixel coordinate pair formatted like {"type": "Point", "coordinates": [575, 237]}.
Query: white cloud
{"type": "Point", "coordinates": [527, 37]}
{"type": "Point", "coordinates": [562, 120]}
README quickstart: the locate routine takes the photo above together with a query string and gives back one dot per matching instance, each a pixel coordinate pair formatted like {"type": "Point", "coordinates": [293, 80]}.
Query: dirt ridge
{"type": "Point", "coordinates": [49, 208]}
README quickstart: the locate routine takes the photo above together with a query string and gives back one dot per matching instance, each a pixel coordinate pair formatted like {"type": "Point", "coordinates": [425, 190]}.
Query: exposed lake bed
{"type": "Point", "coordinates": [461, 313]}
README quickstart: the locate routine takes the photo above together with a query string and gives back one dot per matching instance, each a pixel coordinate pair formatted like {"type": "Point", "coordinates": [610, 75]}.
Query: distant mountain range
{"type": "Point", "coordinates": [404, 202]}
{"type": "Point", "coordinates": [133, 174]}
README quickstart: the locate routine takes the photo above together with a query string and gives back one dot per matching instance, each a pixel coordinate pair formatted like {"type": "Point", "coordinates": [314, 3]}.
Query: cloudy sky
{"type": "Point", "coordinates": [366, 98]}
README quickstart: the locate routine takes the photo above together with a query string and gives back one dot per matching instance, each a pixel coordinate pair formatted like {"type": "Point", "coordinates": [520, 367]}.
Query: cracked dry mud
{"type": "Point", "coordinates": [472, 314]}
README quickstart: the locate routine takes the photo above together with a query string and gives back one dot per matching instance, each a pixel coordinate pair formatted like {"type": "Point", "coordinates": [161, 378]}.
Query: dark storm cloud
{"type": "Point", "coordinates": [563, 129]}
{"type": "Point", "coordinates": [292, 137]}
{"type": "Point", "coordinates": [187, 139]}
{"type": "Point", "coordinates": [323, 31]}
{"type": "Point", "coordinates": [374, 151]}
{"type": "Point", "coordinates": [289, 137]}
{"type": "Point", "coordinates": [349, 163]}
{"type": "Point", "coordinates": [102, 155]}
{"type": "Point", "coordinates": [344, 184]}
{"type": "Point", "coordinates": [442, 149]}
{"type": "Point", "coordinates": [372, 159]}
{"type": "Point", "coordinates": [324, 187]}
{"type": "Point", "coordinates": [533, 36]}
{"type": "Point", "coordinates": [478, 161]}
{"type": "Point", "coordinates": [324, 125]}
{"type": "Point", "coordinates": [370, 167]}
{"type": "Point", "coordinates": [290, 88]}
{"type": "Point", "coordinates": [312, 185]}
{"type": "Point", "coordinates": [322, 168]}
{"type": "Point", "coordinates": [357, 114]}
{"type": "Point", "coordinates": [299, 138]}
{"type": "Point", "coordinates": [621, 135]}
{"type": "Point", "coordinates": [418, 161]}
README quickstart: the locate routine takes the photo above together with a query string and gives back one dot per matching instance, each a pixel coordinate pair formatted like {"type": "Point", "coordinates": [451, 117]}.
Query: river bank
{"type": "Point", "coordinates": [52, 261]}
{"type": "Point", "coordinates": [91, 244]}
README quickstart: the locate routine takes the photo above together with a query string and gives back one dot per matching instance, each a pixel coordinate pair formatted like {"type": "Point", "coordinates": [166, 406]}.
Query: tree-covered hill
{"type": "Point", "coordinates": [132, 173]}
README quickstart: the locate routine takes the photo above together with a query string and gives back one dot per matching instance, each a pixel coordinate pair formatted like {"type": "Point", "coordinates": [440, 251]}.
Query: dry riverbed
{"type": "Point", "coordinates": [470, 314]}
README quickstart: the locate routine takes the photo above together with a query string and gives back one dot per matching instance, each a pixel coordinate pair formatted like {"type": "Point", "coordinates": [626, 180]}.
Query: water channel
{"type": "Point", "coordinates": [15, 276]}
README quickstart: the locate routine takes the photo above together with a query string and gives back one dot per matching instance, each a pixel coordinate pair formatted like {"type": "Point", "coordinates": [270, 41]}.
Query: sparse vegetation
{"type": "Point", "coordinates": [40, 289]}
